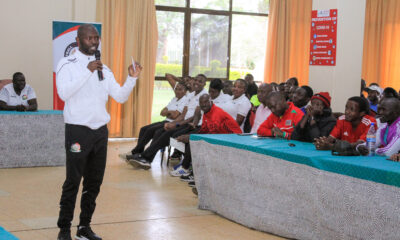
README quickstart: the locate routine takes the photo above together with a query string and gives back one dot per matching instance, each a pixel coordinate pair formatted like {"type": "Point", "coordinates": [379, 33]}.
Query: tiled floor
{"type": "Point", "coordinates": [133, 204]}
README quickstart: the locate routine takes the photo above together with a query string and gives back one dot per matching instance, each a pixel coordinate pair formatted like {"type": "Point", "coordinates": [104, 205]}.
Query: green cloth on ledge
{"type": "Point", "coordinates": [377, 169]}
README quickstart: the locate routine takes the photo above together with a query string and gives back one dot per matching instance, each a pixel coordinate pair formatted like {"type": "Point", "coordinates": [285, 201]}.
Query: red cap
{"type": "Point", "coordinates": [324, 97]}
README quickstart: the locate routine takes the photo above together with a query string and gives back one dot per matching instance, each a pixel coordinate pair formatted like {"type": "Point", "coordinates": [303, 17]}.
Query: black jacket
{"type": "Point", "coordinates": [323, 127]}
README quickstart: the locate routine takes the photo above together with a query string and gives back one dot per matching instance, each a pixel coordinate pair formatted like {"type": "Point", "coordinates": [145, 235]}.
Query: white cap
{"type": "Point", "coordinates": [375, 88]}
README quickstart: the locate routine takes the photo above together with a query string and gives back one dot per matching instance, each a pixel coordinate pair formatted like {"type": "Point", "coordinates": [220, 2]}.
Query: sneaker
{"type": "Point", "coordinates": [140, 163]}
{"type": "Point", "coordinates": [133, 156]}
{"type": "Point", "coordinates": [192, 184]}
{"type": "Point", "coordinates": [188, 178]}
{"type": "Point", "coordinates": [86, 233]}
{"type": "Point", "coordinates": [64, 234]}
{"type": "Point", "coordinates": [180, 171]}
{"type": "Point", "coordinates": [194, 190]}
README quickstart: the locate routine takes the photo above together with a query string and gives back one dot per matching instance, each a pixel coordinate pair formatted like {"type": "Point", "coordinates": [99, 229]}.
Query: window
{"type": "Point", "coordinates": [223, 39]}
{"type": "Point", "coordinates": [209, 45]}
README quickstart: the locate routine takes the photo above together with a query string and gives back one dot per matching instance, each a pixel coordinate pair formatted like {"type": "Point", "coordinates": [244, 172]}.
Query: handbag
{"type": "Point", "coordinates": [344, 148]}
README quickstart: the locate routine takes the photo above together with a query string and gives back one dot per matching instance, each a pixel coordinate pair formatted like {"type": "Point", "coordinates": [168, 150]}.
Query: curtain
{"type": "Point", "coordinates": [288, 41]}
{"type": "Point", "coordinates": [381, 59]}
{"type": "Point", "coordinates": [129, 29]}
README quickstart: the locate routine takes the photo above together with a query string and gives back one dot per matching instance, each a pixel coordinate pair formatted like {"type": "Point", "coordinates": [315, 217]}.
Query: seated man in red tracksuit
{"type": "Point", "coordinates": [284, 118]}
{"type": "Point", "coordinates": [215, 121]}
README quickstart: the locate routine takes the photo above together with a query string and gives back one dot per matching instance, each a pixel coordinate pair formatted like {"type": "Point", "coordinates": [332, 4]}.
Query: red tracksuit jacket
{"type": "Point", "coordinates": [286, 123]}
{"type": "Point", "coordinates": [218, 121]}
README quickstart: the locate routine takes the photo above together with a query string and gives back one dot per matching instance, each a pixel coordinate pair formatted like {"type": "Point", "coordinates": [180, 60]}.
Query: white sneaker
{"type": "Point", "coordinates": [180, 171]}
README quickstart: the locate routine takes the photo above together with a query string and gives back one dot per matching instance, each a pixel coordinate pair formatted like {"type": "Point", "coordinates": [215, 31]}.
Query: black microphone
{"type": "Point", "coordinates": [99, 72]}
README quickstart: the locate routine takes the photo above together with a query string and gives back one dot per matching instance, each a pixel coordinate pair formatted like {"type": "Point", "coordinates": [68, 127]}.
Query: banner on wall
{"type": "Point", "coordinates": [323, 37]}
{"type": "Point", "coordinates": [64, 44]}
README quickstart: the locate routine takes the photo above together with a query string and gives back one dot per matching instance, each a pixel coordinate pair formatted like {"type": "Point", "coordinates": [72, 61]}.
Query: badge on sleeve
{"type": "Point", "coordinates": [76, 148]}
{"type": "Point", "coordinates": [288, 122]}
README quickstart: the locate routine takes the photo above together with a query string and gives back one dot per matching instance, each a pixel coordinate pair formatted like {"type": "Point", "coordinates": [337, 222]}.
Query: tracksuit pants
{"type": "Point", "coordinates": [86, 152]}
{"type": "Point", "coordinates": [146, 134]}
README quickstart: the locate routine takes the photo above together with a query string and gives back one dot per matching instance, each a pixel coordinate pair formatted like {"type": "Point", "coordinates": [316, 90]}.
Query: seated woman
{"type": "Point", "coordinates": [352, 126]}
{"type": "Point", "coordinates": [318, 121]}
{"type": "Point", "coordinates": [18, 95]}
{"type": "Point", "coordinates": [171, 112]}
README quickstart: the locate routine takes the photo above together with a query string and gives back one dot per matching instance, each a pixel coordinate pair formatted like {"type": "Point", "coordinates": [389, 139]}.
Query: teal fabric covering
{"type": "Point", "coordinates": [4, 235]}
{"type": "Point", "coordinates": [376, 169]}
{"type": "Point", "coordinates": [39, 112]}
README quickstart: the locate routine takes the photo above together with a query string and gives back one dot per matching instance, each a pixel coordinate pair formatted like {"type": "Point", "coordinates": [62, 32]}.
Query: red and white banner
{"type": "Point", "coordinates": [323, 37]}
{"type": "Point", "coordinates": [64, 44]}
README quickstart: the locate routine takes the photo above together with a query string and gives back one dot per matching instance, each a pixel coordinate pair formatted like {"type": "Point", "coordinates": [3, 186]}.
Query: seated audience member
{"type": "Point", "coordinates": [228, 85]}
{"type": "Point", "coordinates": [352, 126]}
{"type": "Point", "coordinates": [374, 95]}
{"type": "Point", "coordinates": [171, 112]}
{"type": "Point", "coordinates": [388, 134]}
{"type": "Point", "coordinates": [373, 84]}
{"type": "Point", "coordinates": [291, 93]}
{"type": "Point", "coordinates": [389, 92]}
{"type": "Point", "coordinates": [215, 121]}
{"type": "Point", "coordinates": [302, 97]}
{"type": "Point", "coordinates": [285, 116]}
{"type": "Point", "coordinates": [241, 102]}
{"type": "Point", "coordinates": [181, 124]}
{"type": "Point", "coordinates": [18, 95]}
{"type": "Point", "coordinates": [263, 111]}
{"type": "Point", "coordinates": [252, 87]}
{"type": "Point", "coordinates": [318, 120]}
{"type": "Point", "coordinates": [224, 101]}
{"type": "Point", "coordinates": [289, 84]}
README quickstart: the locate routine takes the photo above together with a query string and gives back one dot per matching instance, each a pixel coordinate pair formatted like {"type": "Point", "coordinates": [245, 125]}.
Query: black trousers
{"type": "Point", "coordinates": [187, 156]}
{"type": "Point", "coordinates": [146, 134]}
{"type": "Point", "coordinates": [86, 152]}
{"type": "Point", "coordinates": [161, 140]}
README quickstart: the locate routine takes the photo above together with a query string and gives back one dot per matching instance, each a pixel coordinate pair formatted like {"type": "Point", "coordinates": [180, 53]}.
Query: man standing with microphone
{"type": "Point", "coordinates": [84, 84]}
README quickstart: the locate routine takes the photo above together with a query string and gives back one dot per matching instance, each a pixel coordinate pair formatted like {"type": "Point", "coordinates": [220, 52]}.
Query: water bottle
{"type": "Point", "coordinates": [371, 140]}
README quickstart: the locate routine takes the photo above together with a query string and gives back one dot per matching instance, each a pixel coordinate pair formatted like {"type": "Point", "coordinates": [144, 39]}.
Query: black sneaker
{"type": "Point", "coordinates": [64, 234]}
{"type": "Point", "coordinates": [192, 184]}
{"type": "Point", "coordinates": [86, 233]}
{"type": "Point", "coordinates": [133, 156]}
{"type": "Point", "coordinates": [140, 163]}
{"type": "Point", "coordinates": [194, 190]}
{"type": "Point", "coordinates": [189, 178]}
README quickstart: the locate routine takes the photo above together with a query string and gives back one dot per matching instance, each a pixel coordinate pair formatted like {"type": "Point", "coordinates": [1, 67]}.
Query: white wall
{"type": "Point", "coordinates": [343, 80]}
{"type": "Point", "coordinates": [26, 39]}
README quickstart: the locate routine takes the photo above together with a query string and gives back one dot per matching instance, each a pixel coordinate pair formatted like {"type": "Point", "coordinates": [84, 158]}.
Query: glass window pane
{"type": "Point", "coordinates": [210, 4]}
{"type": "Point", "coordinates": [171, 3]}
{"type": "Point", "coordinates": [209, 45]}
{"type": "Point", "coordinates": [162, 94]}
{"type": "Point", "coordinates": [170, 43]}
{"type": "Point", "coordinates": [249, 40]}
{"type": "Point", "coordinates": [256, 6]}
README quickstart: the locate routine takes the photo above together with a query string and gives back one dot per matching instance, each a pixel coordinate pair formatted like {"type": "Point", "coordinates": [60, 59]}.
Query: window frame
{"type": "Point", "coordinates": [187, 28]}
